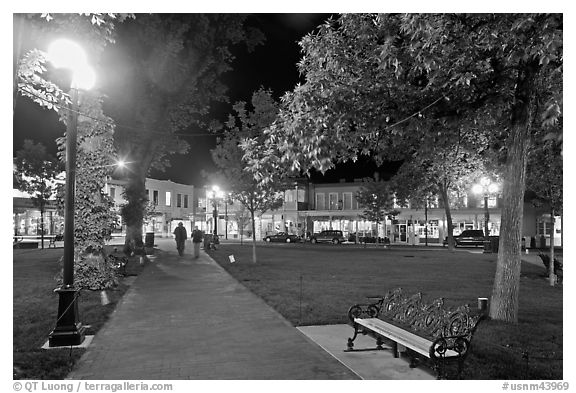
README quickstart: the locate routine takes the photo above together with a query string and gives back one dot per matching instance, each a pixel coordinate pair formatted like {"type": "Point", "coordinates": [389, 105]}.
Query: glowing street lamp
{"type": "Point", "coordinates": [486, 188]}
{"type": "Point", "coordinates": [215, 194]}
{"type": "Point", "coordinates": [69, 55]}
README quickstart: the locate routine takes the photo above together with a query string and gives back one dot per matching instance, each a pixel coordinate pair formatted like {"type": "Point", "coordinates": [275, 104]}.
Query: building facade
{"type": "Point", "coordinates": [310, 208]}
{"type": "Point", "coordinates": [26, 219]}
{"type": "Point", "coordinates": [170, 203]}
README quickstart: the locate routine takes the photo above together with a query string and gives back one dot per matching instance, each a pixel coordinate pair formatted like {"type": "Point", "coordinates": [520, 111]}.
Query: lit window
{"type": "Point", "coordinates": [168, 198]}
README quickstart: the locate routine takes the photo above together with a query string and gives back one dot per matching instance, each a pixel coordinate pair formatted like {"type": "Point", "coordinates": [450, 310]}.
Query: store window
{"type": "Point", "coordinates": [432, 229]}
{"type": "Point", "coordinates": [347, 200]}
{"type": "Point", "coordinates": [333, 198]}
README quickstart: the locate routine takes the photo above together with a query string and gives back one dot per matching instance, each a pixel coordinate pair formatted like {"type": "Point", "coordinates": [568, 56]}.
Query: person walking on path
{"type": "Point", "coordinates": [197, 237]}
{"type": "Point", "coordinates": [181, 235]}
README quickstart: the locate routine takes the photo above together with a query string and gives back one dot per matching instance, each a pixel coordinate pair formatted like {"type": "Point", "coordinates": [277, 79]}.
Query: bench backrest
{"type": "Point", "coordinates": [432, 320]}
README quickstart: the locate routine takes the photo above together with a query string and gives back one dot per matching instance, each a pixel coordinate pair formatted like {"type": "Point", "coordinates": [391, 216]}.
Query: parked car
{"type": "Point", "coordinates": [282, 237]}
{"type": "Point", "coordinates": [469, 237]}
{"type": "Point", "coordinates": [329, 236]}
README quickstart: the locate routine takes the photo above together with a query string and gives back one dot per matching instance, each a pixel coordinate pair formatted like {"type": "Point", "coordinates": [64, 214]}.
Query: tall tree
{"type": "Point", "coordinates": [248, 122]}
{"type": "Point", "coordinates": [372, 80]}
{"type": "Point", "coordinates": [168, 70]}
{"type": "Point", "coordinates": [35, 172]}
{"type": "Point", "coordinates": [443, 162]}
{"type": "Point", "coordinates": [376, 198]}
{"type": "Point", "coordinates": [544, 178]}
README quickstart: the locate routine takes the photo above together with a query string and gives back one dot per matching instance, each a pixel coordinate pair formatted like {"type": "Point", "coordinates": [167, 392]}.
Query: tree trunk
{"type": "Point", "coordinates": [252, 218]}
{"type": "Point", "coordinates": [504, 299]}
{"type": "Point", "coordinates": [42, 209]}
{"type": "Point", "coordinates": [551, 270]}
{"type": "Point", "coordinates": [444, 195]}
{"type": "Point", "coordinates": [136, 202]}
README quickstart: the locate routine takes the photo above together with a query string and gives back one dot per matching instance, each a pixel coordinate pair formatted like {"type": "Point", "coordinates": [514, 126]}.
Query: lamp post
{"type": "Point", "coordinates": [215, 194]}
{"type": "Point", "coordinates": [228, 201]}
{"type": "Point", "coordinates": [486, 188]}
{"type": "Point", "coordinates": [69, 330]}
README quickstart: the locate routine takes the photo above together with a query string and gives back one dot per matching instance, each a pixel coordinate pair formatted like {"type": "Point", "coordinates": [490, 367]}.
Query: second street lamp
{"type": "Point", "coordinates": [486, 188]}
{"type": "Point", "coordinates": [69, 330]}
{"type": "Point", "coordinates": [215, 194]}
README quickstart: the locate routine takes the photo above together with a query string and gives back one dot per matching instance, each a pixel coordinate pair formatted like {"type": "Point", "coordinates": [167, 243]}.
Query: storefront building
{"type": "Point", "coordinates": [310, 208]}
{"type": "Point", "coordinates": [170, 204]}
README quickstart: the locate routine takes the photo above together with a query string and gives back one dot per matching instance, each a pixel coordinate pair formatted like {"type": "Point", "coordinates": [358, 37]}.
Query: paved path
{"type": "Point", "coordinates": [189, 319]}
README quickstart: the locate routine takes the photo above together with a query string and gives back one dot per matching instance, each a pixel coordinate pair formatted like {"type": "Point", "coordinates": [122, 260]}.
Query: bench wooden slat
{"type": "Point", "coordinates": [401, 336]}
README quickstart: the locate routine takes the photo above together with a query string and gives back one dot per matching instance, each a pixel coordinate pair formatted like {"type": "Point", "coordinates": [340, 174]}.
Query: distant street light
{"type": "Point", "coordinates": [486, 188]}
{"type": "Point", "coordinates": [215, 194]}
{"type": "Point", "coordinates": [69, 55]}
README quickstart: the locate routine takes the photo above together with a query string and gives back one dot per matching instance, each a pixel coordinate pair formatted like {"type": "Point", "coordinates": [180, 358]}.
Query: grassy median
{"type": "Point", "coordinates": [316, 284]}
{"type": "Point", "coordinates": [35, 308]}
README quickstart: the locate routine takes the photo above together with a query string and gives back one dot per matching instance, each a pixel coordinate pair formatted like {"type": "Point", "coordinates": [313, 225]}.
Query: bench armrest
{"type": "Point", "coordinates": [458, 344]}
{"type": "Point", "coordinates": [363, 310]}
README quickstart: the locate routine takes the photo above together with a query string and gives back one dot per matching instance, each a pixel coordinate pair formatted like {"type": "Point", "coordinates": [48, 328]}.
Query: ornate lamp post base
{"type": "Point", "coordinates": [69, 330]}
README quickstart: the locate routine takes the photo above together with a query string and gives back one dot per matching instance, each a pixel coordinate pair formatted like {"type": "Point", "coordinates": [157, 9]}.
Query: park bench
{"type": "Point", "coordinates": [422, 331]}
{"type": "Point", "coordinates": [119, 262]}
{"type": "Point", "coordinates": [54, 239]}
{"type": "Point", "coordinates": [21, 242]}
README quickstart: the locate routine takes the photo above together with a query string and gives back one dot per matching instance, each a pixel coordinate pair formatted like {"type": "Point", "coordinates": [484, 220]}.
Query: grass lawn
{"type": "Point", "coordinates": [35, 308]}
{"type": "Point", "coordinates": [316, 284]}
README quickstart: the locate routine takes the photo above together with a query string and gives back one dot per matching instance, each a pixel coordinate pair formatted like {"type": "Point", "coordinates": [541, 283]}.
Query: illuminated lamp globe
{"type": "Point", "coordinates": [67, 54]}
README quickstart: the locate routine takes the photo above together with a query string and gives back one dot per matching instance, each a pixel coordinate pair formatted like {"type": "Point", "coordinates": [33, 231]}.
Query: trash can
{"type": "Point", "coordinates": [149, 239]}
{"type": "Point", "coordinates": [523, 243]}
{"type": "Point", "coordinates": [494, 243]}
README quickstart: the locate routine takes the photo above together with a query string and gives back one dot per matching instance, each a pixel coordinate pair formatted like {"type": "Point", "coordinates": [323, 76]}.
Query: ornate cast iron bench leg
{"type": "Point", "coordinates": [350, 344]}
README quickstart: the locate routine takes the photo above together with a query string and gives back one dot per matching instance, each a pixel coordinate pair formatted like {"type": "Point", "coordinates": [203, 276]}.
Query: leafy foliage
{"type": "Point", "coordinates": [375, 83]}
{"type": "Point", "coordinates": [94, 215]}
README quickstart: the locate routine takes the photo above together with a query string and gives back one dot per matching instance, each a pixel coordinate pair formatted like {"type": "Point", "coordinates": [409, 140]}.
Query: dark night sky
{"type": "Point", "coordinates": [272, 65]}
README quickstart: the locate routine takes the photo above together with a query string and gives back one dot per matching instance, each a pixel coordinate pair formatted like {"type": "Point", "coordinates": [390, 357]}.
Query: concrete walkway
{"type": "Point", "coordinates": [186, 318]}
